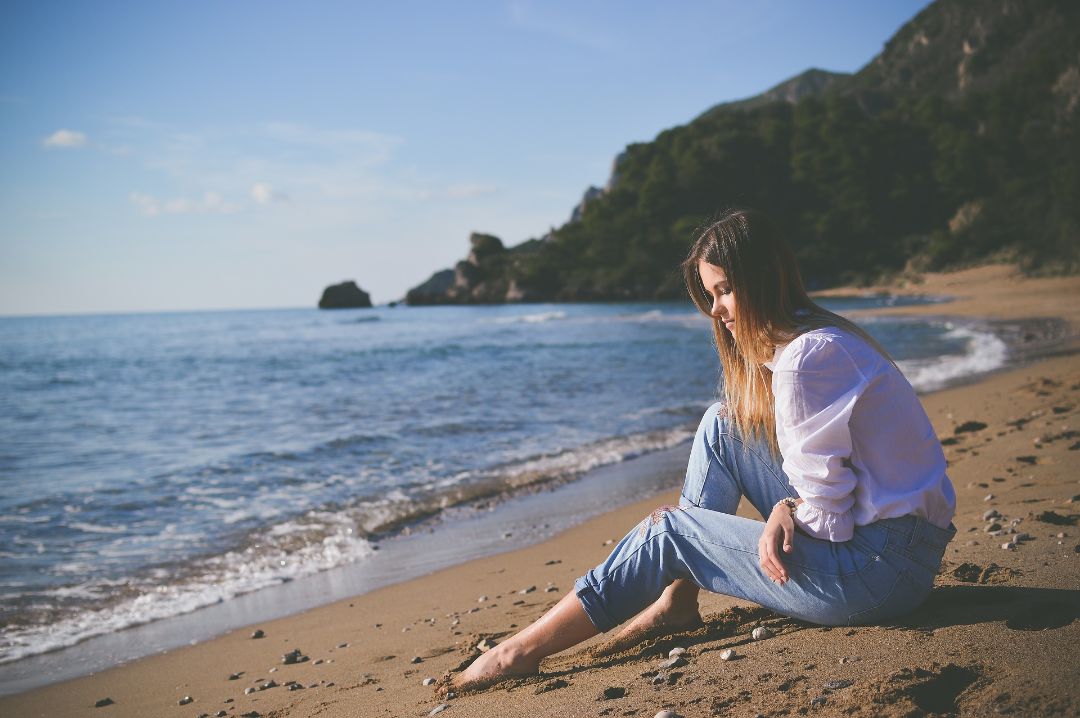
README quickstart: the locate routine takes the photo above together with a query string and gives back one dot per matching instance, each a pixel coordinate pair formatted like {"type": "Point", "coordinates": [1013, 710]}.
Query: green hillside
{"type": "Point", "coordinates": [958, 143]}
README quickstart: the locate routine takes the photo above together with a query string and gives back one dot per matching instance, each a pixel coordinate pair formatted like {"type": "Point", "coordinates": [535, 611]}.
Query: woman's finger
{"type": "Point", "coordinates": [775, 568]}
{"type": "Point", "coordinates": [789, 537]}
{"type": "Point", "coordinates": [774, 557]}
{"type": "Point", "coordinates": [763, 557]}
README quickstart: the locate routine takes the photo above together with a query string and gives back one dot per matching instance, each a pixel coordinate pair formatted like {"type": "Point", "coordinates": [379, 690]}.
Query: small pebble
{"type": "Point", "coordinates": [416, 659]}
{"type": "Point", "coordinates": [258, 633]}
{"type": "Point", "coordinates": [104, 702]}
{"type": "Point", "coordinates": [676, 651]}
{"type": "Point", "coordinates": [995, 526]}
{"type": "Point", "coordinates": [185, 700]}
{"type": "Point", "coordinates": [727, 654]}
{"type": "Point", "coordinates": [988, 497]}
{"type": "Point", "coordinates": [818, 702]}
{"type": "Point", "coordinates": [221, 714]}
{"type": "Point", "coordinates": [991, 514]}
{"type": "Point", "coordinates": [528, 589]}
{"type": "Point", "coordinates": [343, 645]}
{"type": "Point", "coordinates": [234, 676]}
{"type": "Point", "coordinates": [667, 714]}
{"type": "Point", "coordinates": [293, 656]}
{"type": "Point", "coordinates": [485, 645]}
{"type": "Point", "coordinates": [481, 599]}
{"type": "Point", "coordinates": [273, 670]}
{"type": "Point", "coordinates": [673, 662]}
{"type": "Point", "coordinates": [295, 686]}
{"type": "Point", "coordinates": [837, 685]}
{"type": "Point", "coordinates": [760, 633]}
{"type": "Point", "coordinates": [428, 682]}
{"type": "Point", "coordinates": [1008, 546]}
{"type": "Point", "coordinates": [439, 709]}
{"type": "Point", "coordinates": [248, 691]}
{"type": "Point", "coordinates": [551, 589]}
{"type": "Point", "coordinates": [658, 679]}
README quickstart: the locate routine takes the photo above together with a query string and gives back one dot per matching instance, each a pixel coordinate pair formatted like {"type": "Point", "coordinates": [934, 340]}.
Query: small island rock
{"type": "Point", "coordinates": [344, 296]}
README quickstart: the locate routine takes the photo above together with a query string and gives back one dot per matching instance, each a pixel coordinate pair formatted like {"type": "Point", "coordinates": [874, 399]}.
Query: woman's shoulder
{"type": "Point", "coordinates": [822, 347]}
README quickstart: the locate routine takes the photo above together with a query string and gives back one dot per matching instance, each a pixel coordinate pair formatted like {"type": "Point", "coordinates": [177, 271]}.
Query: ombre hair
{"type": "Point", "coordinates": [771, 308]}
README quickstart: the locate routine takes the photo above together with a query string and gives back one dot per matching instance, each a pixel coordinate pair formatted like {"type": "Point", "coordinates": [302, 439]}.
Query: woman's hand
{"type": "Point", "coordinates": [780, 528]}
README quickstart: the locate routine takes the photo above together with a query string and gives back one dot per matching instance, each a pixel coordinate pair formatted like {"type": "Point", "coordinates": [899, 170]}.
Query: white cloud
{"type": "Point", "coordinates": [65, 138]}
{"type": "Point", "coordinates": [146, 203]}
{"type": "Point", "coordinates": [210, 203]}
{"type": "Point", "coordinates": [469, 191]}
{"type": "Point", "coordinates": [264, 193]}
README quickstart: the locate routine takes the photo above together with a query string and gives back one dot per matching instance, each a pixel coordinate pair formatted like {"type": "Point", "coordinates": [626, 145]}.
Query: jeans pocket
{"type": "Point", "coordinates": [904, 594]}
{"type": "Point", "coordinates": [927, 545]}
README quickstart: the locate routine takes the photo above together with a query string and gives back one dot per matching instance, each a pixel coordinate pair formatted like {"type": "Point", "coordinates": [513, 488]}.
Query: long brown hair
{"type": "Point", "coordinates": [772, 308]}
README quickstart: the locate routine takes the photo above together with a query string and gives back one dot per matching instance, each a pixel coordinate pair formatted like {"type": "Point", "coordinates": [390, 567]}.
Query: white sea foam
{"type": "Point", "coordinates": [984, 352]}
{"type": "Point", "coordinates": [319, 541]}
{"type": "Point", "coordinates": [95, 529]}
{"type": "Point", "coordinates": [530, 318]}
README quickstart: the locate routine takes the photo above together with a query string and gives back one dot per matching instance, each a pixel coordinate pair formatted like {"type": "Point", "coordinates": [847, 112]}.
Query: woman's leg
{"type": "Point", "coordinates": [564, 625]}
{"type": "Point", "coordinates": [723, 467]}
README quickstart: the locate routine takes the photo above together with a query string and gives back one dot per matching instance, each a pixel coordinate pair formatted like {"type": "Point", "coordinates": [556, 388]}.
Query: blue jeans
{"type": "Point", "coordinates": [885, 570]}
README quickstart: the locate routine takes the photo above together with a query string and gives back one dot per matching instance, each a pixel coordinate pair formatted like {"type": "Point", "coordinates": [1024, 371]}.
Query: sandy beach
{"type": "Point", "coordinates": [998, 635]}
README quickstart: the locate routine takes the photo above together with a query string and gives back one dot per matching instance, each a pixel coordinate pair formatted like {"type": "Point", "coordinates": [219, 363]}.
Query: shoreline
{"type": "Point", "coordinates": [492, 523]}
{"type": "Point", "coordinates": [404, 542]}
{"type": "Point", "coordinates": [447, 584]}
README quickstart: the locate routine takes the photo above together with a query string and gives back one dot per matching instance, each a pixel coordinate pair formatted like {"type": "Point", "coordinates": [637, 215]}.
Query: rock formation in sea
{"type": "Point", "coordinates": [344, 296]}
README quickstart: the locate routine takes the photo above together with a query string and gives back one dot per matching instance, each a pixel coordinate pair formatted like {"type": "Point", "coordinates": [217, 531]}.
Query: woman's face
{"type": "Point", "coordinates": [719, 291]}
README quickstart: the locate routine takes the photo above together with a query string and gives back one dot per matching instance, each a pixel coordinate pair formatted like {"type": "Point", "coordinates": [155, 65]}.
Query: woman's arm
{"type": "Point", "coordinates": [816, 386]}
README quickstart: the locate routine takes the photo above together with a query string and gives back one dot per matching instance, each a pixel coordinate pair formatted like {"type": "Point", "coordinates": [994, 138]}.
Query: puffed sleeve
{"type": "Point", "coordinates": [816, 384]}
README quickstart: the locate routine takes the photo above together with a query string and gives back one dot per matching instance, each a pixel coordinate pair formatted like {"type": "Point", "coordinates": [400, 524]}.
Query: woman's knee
{"type": "Point", "coordinates": [713, 423]}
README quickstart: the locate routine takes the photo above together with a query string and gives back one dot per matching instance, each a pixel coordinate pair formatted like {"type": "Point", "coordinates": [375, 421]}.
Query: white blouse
{"type": "Point", "coordinates": [856, 443]}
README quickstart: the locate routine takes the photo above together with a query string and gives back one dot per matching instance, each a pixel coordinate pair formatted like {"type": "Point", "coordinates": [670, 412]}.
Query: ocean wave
{"type": "Point", "coordinates": [985, 352]}
{"type": "Point", "coordinates": [531, 318]}
{"type": "Point", "coordinates": [317, 541]}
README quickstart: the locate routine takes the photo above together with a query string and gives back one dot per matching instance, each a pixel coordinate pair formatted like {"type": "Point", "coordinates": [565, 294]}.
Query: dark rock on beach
{"type": "Point", "coordinates": [294, 656]}
{"type": "Point", "coordinates": [344, 296]}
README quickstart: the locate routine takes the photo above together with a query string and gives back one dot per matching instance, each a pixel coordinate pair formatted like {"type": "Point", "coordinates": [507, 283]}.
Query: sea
{"type": "Point", "coordinates": [153, 466]}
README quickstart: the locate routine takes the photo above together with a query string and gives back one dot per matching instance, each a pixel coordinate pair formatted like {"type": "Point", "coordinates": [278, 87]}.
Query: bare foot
{"type": "Point", "coordinates": [500, 663]}
{"type": "Point", "coordinates": [674, 612]}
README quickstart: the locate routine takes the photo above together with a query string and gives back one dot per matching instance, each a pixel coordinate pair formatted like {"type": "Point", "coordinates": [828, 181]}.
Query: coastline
{"type": "Point", "coordinates": [147, 686]}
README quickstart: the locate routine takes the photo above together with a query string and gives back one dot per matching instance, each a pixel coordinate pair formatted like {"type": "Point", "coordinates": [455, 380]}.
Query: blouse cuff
{"type": "Point", "coordinates": [827, 525]}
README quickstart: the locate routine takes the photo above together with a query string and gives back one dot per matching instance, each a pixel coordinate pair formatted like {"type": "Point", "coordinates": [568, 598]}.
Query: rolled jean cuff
{"type": "Point", "coordinates": [590, 602]}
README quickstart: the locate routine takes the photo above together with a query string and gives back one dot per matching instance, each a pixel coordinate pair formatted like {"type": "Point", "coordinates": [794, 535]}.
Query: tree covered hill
{"type": "Point", "coordinates": [958, 143]}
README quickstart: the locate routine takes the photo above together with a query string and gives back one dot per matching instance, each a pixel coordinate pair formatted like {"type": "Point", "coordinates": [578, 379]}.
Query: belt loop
{"type": "Point", "coordinates": [917, 530]}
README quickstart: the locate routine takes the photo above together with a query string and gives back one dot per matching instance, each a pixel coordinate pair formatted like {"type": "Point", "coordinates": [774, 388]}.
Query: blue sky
{"type": "Point", "coordinates": [232, 154]}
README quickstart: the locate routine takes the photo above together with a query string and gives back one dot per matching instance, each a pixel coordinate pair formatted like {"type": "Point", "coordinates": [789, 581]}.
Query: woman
{"type": "Point", "coordinates": [818, 430]}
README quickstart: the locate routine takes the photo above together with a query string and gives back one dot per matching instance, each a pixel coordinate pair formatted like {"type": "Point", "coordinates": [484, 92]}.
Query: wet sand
{"type": "Point", "coordinates": [998, 636]}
